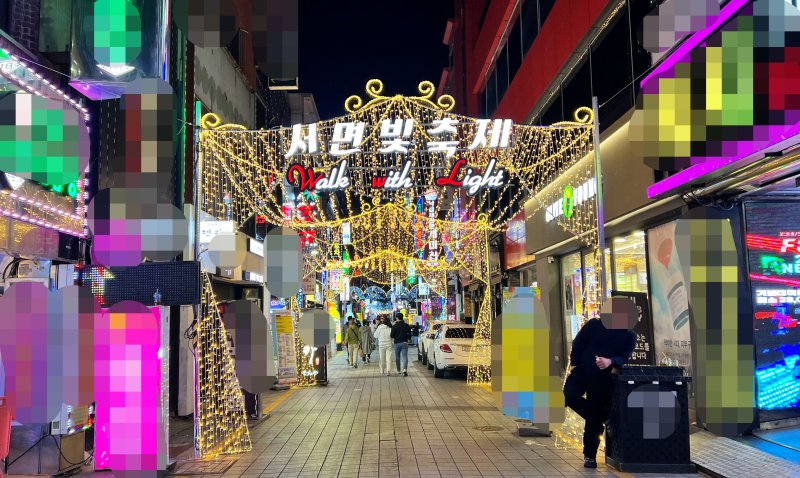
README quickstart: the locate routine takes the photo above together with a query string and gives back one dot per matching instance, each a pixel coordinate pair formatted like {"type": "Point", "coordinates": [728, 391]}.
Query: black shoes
{"type": "Point", "coordinates": [405, 373]}
{"type": "Point", "coordinates": [589, 463]}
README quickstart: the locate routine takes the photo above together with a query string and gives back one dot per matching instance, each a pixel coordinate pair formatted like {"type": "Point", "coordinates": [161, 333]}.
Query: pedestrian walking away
{"type": "Point", "coordinates": [596, 351]}
{"type": "Point", "coordinates": [367, 342]}
{"type": "Point", "coordinates": [401, 334]}
{"type": "Point", "coordinates": [353, 340]}
{"type": "Point", "coordinates": [384, 336]}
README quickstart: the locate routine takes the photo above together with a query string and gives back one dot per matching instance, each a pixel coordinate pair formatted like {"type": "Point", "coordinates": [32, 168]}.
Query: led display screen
{"type": "Point", "coordinates": [178, 283]}
{"type": "Point", "coordinates": [773, 246]}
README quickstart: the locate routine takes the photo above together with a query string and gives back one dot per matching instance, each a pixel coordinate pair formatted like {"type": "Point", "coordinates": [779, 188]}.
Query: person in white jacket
{"type": "Point", "coordinates": [384, 336]}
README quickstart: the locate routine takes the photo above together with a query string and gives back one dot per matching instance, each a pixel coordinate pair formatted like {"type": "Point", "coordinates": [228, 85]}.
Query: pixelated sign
{"type": "Point", "coordinates": [42, 139]}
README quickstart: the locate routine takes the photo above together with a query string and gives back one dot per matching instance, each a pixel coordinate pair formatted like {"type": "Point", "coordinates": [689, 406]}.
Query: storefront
{"type": "Point", "coordinates": [565, 269]}
{"type": "Point", "coordinates": [707, 251]}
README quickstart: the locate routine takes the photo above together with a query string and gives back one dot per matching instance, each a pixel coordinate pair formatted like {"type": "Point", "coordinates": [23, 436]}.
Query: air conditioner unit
{"type": "Point", "coordinates": [45, 281]}
{"type": "Point", "coordinates": [33, 268]}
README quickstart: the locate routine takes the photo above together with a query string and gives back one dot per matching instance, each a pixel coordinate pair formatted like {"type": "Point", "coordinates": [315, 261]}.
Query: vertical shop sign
{"type": "Point", "coordinates": [287, 360]}
{"type": "Point", "coordinates": [346, 234]}
{"type": "Point", "coordinates": [643, 353]}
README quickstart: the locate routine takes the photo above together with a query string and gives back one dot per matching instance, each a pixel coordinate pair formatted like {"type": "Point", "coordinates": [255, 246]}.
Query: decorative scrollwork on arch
{"type": "Point", "coordinates": [374, 90]}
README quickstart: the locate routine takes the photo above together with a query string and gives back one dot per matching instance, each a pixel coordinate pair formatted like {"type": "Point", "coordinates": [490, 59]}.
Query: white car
{"type": "Point", "coordinates": [426, 339]}
{"type": "Point", "coordinates": [450, 348]}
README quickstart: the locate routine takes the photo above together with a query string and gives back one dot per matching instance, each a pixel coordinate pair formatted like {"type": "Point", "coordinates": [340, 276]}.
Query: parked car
{"type": "Point", "coordinates": [426, 338]}
{"type": "Point", "coordinates": [450, 348]}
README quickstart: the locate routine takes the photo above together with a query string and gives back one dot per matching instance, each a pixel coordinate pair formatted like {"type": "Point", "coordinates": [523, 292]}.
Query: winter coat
{"type": "Point", "coordinates": [384, 335]}
{"type": "Point", "coordinates": [367, 339]}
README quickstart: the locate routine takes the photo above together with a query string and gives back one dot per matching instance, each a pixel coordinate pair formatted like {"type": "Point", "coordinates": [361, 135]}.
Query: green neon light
{"type": "Point", "coordinates": [70, 189]}
{"type": "Point", "coordinates": [568, 201]}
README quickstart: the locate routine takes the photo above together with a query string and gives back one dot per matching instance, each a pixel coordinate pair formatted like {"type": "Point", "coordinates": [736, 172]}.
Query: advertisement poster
{"type": "Point", "coordinates": [773, 248]}
{"type": "Point", "coordinates": [287, 360]}
{"type": "Point", "coordinates": [643, 353]}
{"type": "Point", "coordinates": [670, 300]}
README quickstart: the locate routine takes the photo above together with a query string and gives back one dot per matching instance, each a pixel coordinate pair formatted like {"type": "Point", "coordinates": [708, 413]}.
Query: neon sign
{"type": "Point", "coordinates": [568, 201]}
{"type": "Point", "coordinates": [580, 195]}
{"type": "Point", "coordinates": [307, 179]}
{"type": "Point", "coordinates": [473, 183]}
{"type": "Point", "coordinates": [70, 189]}
{"type": "Point", "coordinates": [777, 265]}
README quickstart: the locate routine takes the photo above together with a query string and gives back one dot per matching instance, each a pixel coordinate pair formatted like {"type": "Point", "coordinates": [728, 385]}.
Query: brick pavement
{"type": "Point", "coordinates": [366, 425]}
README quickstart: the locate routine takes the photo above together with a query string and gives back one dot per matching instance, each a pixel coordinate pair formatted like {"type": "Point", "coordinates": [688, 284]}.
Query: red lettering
{"type": "Point", "coordinates": [452, 178]}
{"type": "Point", "coordinates": [378, 182]}
{"type": "Point", "coordinates": [307, 179]}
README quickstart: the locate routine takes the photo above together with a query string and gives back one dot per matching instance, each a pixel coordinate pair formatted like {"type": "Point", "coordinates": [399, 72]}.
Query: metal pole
{"type": "Point", "coordinates": [598, 173]}
{"type": "Point", "coordinates": [198, 309]}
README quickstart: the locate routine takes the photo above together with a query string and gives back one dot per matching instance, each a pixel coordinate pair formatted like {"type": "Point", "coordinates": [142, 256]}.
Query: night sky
{"type": "Point", "coordinates": [345, 43]}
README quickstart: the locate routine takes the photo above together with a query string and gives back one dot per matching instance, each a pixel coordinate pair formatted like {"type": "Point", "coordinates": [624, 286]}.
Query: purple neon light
{"type": "Point", "coordinates": [696, 39]}
{"type": "Point", "coordinates": [776, 134]}
{"type": "Point", "coordinates": [738, 150]}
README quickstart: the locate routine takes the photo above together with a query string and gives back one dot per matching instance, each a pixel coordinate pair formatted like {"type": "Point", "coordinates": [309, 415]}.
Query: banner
{"type": "Point", "coordinates": [287, 359]}
{"type": "Point", "coordinates": [643, 354]}
{"type": "Point", "coordinates": [670, 298]}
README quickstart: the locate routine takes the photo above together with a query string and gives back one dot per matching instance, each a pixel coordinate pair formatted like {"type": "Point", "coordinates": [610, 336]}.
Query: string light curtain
{"type": "Point", "coordinates": [222, 422]}
{"type": "Point", "coordinates": [379, 233]}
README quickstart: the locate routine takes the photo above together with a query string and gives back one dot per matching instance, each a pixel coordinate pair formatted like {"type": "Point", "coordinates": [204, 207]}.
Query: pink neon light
{"type": "Point", "coordinates": [776, 280]}
{"type": "Point", "coordinates": [128, 388]}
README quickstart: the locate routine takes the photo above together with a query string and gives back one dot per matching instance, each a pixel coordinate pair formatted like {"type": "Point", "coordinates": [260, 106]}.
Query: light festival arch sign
{"type": "Point", "coordinates": [402, 187]}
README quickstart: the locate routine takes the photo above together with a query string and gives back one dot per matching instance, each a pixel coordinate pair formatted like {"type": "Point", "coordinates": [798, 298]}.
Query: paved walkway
{"type": "Point", "coordinates": [366, 425]}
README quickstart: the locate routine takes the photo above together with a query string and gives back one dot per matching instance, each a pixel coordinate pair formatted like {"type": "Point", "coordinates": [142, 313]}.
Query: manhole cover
{"type": "Point", "coordinates": [489, 428]}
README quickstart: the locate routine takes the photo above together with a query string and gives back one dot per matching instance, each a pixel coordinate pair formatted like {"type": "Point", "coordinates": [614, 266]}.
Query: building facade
{"type": "Point", "coordinates": [692, 229]}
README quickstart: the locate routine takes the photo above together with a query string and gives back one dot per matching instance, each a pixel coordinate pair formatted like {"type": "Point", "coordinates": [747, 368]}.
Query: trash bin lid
{"type": "Point", "coordinates": [649, 373]}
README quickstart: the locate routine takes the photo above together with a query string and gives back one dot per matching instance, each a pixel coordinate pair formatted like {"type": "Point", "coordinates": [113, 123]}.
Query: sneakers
{"type": "Point", "coordinates": [589, 463]}
{"type": "Point", "coordinates": [405, 373]}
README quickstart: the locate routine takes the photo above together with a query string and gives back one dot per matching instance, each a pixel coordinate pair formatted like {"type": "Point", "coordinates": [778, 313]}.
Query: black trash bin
{"type": "Point", "coordinates": [649, 427]}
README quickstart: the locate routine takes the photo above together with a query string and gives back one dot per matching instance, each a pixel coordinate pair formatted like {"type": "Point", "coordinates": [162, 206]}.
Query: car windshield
{"type": "Point", "coordinates": [460, 333]}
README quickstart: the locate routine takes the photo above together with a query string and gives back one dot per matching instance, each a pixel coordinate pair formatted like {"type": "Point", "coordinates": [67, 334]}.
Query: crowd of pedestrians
{"type": "Point", "coordinates": [390, 338]}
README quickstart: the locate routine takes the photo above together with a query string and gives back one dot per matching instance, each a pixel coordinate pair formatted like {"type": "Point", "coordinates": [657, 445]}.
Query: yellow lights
{"type": "Point", "coordinates": [305, 370]}
{"type": "Point", "coordinates": [430, 225]}
{"type": "Point", "coordinates": [222, 421]}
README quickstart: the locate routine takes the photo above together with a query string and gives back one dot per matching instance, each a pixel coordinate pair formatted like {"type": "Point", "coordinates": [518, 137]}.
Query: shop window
{"type": "Point", "coordinates": [642, 59]}
{"type": "Point", "coordinates": [529, 21]}
{"type": "Point", "coordinates": [630, 263]}
{"type": "Point", "coordinates": [578, 89]}
{"type": "Point", "coordinates": [612, 52]}
{"type": "Point", "coordinates": [572, 295]}
{"type": "Point", "coordinates": [501, 67]}
{"type": "Point", "coordinates": [545, 6]}
{"type": "Point", "coordinates": [491, 94]}
{"type": "Point", "coordinates": [554, 113]}
{"type": "Point", "coordinates": [514, 46]}
{"type": "Point", "coordinates": [591, 283]}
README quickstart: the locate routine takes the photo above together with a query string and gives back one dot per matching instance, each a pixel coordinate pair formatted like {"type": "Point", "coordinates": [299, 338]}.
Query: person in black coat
{"type": "Point", "coordinates": [401, 333]}
{"type": "Point", "coordinates": [415, 334]}
{"type": "Point", "coordinates": [600, 346]}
